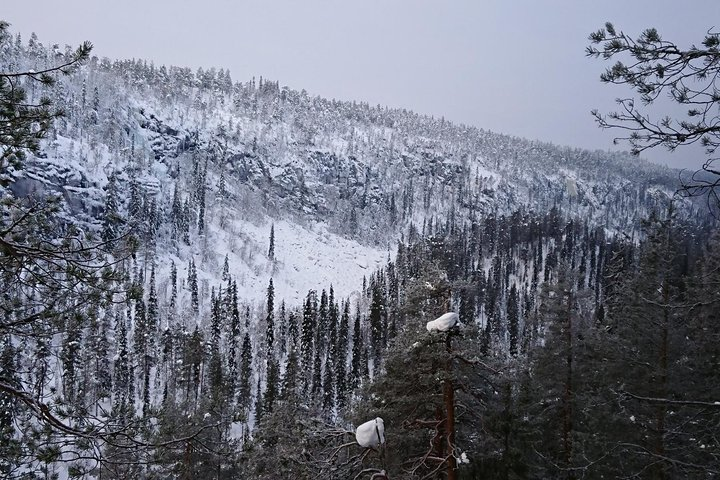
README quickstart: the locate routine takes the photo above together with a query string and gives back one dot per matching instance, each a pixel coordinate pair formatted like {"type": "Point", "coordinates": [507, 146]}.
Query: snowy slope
{"type": "Point", "coordinates": [341, 181]}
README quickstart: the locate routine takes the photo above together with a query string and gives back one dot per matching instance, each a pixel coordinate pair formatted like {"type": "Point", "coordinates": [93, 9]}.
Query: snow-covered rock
{"type": "Point", "coordinates": [443, 323]}
{"type": "Point", "coordinates": [371, 434]}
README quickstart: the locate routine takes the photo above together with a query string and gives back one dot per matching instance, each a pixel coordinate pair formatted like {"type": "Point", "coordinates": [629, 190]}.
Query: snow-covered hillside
{"type": "Point", "coordinates": [341, 181]}
{"type": "Point", "coordinates": [242, 265]}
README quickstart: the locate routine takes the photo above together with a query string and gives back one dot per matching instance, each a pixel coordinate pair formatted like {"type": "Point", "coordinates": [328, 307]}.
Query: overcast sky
{"type": "Point", "coordinates": [515, 67]}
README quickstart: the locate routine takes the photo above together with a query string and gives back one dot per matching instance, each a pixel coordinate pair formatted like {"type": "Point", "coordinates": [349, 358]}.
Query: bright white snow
{"type": "Point", "coordinates": [443, 323]}
{"type": "Point", "coordinates": [371, 434]}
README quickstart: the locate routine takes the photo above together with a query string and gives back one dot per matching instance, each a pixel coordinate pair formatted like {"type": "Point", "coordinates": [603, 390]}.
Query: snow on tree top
{"type": "Point", "coordinates": [443, 323]}
{"type": "Point", "coordinates": [371, 434]}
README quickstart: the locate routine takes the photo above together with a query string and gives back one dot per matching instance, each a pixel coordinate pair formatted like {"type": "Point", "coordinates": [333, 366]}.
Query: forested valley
{"type": "Point", "coordinates": [208, 279]}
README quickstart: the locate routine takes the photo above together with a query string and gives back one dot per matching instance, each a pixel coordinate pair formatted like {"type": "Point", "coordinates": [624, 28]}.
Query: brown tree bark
{"type": "Point", "coordinates": [568, 396]}
{"type": "Point", "coordinates": [661, 473]}
{"type": "Point", "coordinates": [449, 399]}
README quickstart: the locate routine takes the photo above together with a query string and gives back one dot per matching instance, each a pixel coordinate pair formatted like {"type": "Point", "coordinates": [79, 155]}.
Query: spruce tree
{"type": "Point", "coordinates": [328, 384]}
{"type": "Point", "coordinates": [233, 338]}
{"type": "Point", "coordinates": [292, 329]}
{"type": "Point", "coordinates": [271, 248]}
{"type": "Point", "coordinates": [341, 356]}
{"type": "Point", "coordinates": [307, 337]}
{"type": "Point", "coordinates": [270, 319]}
{"type": "Point", "coordinates": [358, 348]}
{"type": "Point", "coordinates": [173, 286]}
{"type": "Point", "coordinates": [282, 329]}
{"type": "Point", "coordinates": [245, 373]}
{"type": "Point", "coordinates": [153, 319]}
{"type": "Point", "coordinates": [121, 368]}
{"type": "Point", "coordinates": [290, 378]}
{"type": "Point", "coordinates": [226, 269]}
{"type": "Point", "coordinates": [111, 218]}
{"type": "Point", "coordinates": [513, 319]}
{"type": "Point", "coordinates": [193, 284]}
{"type": "Point", "coordinates": [650, 356]}
{"type": "Point", "coordinates": [272, 386]}
{"type": "Point", "coordinates": [376, 320]}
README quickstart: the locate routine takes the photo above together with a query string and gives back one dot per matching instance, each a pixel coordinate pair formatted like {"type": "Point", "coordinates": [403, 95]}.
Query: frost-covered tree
{"type": "Point", "coordinates": [271, 248]}
{"type": "Point", "coordinates": [23, 121]}
{"type": "Point", "coordinates": [193, 285]}
{"type": "Point", "coordinates": [342, 384]}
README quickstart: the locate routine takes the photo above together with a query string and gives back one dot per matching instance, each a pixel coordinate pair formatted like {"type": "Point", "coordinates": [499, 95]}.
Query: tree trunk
{"type": "Point", "coordinates": [449, 395]}
{"type": "Point", "coordinates": [568, 396]}
{"type": "Point", "coordinates": [507, 427]}
{"type": "Point", "coordinates": [662, 386]}
{"type": "Point", "coordinates": [449, 398]}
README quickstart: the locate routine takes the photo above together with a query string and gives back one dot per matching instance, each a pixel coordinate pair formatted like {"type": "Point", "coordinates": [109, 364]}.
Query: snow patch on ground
{"type": "Point", "coordinates": [305, 258]}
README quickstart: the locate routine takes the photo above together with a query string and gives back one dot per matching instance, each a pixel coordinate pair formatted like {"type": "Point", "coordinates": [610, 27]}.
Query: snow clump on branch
{"type": "Point", "coordinates": [443, 323]}
{"type": "Point", "coordinates": [371, 434]}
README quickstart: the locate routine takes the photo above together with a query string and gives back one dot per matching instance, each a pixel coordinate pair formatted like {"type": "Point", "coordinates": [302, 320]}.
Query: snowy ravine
{"type": "Point", "coordinates": [270, 246]}
{"type": "Point", "coordinates": [324, 171]}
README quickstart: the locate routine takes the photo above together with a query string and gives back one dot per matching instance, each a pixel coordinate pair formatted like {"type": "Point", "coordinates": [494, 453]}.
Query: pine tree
{"type": "Point", "coordinates": [10, 445]}
{"type": "Point", "coordinates": [71, 355]}
{"type": "Point", "coordinates": [103, 371]}
{"type": "Point", "coordinates": [428, 435]}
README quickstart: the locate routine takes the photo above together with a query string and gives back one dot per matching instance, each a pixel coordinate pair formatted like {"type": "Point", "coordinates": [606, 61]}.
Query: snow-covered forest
{"type": "Point", "coordinates": [205, 278]}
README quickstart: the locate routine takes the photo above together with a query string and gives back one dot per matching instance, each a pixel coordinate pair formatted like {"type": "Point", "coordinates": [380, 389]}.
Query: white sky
{"type": "Point", "coordinates": [515, 67]}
